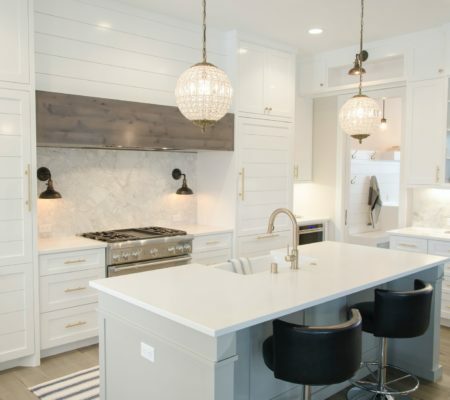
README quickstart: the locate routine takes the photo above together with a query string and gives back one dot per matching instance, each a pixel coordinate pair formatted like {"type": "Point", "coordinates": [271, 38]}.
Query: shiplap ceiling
{"type": "Point", "coordinates": [289, 20]}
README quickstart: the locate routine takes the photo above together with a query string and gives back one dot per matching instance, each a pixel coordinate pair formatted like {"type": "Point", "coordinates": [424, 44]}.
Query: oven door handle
{"type": "Point", "coordinates": [306, 231]}
{"type": "Point", "coordinates": [137, 266]}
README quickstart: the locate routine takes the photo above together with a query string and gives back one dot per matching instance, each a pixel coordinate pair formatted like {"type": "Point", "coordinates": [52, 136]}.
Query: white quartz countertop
{"type": "Point", "coordinates": [201, 230]}
{"type": "Point", "coordinates": [423, 233]}
{"type": "Point", "coordinates": [306, 220]}
{"type": "Point", "coordinates": [68, 243]}
{"type": "Point", "coordinates": [217, 302]}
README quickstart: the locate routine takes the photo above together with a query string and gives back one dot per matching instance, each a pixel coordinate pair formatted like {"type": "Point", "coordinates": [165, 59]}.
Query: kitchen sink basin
{"type": "Point", "coordinates": [262, 264]}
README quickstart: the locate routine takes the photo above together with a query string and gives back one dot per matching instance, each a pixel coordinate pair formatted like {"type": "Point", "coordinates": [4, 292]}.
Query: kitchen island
{"type": "Point", "coordinates": [195, 332]}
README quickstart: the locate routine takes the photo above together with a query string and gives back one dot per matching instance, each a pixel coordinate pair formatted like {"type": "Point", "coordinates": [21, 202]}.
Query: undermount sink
{"type": "Point", "coordinates": [262, 264]}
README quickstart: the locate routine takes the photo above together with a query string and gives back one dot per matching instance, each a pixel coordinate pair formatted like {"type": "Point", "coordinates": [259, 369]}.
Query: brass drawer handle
{"type": "Point", "coordinates": [77, 289]}
{"type": "Point", "coordinates": [75, 324]}
{"type": "Point", "coordinates": [80, 260]}
{"type": "Point", "coordinates": [268, 236]}
{"type": "Point", "coordinates": [210, 243]}
{"type": "Point", "coordinates": [411, 246]}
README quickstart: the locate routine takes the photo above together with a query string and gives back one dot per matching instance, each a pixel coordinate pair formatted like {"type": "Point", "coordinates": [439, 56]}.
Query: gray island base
{"type": "Point", "coordinates": [196, 332]}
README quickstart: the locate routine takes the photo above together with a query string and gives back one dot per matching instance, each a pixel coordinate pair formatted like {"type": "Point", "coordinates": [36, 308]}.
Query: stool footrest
{"type": "Point", "coordinates": [409, 382]}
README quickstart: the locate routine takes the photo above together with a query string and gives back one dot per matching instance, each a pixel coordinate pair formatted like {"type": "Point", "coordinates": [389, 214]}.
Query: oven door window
{"type": "Point", "coordinates": [310, 234]}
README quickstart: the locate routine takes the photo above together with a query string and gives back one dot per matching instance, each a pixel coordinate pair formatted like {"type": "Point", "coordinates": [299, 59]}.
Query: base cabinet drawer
{"type": "Point", "coordinates": [71, 261]}
{"type": "Point", "coordinates": [259, 245]}
{"type": "Point", "coordinates": [439, 248]}
{"type": "Point", "coordinates": [68, 326]}
{"type": "Point", "coordinates": [212, 257]}
{"type": "Point", "coordinates": [409, 244]}
{"type": "Point", "coordinates": [71, 289]}
{"type": "Point", "coordinates": [212, 242]}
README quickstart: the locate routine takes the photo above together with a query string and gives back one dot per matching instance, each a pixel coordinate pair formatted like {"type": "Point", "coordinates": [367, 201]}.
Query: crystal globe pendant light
{"type": "Point", "coordinates": [203, 92]}
{"type": "Point", "coordinates": [360, 115]}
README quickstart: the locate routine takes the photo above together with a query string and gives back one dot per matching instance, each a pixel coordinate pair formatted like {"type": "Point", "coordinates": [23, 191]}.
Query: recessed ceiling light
{"type": "Point", "coordinates": [315, 31]}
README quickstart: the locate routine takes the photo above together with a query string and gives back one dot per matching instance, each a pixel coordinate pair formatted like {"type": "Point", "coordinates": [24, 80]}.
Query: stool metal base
{"type": "Point", "coordinates": [356, 393]}
{"type": "Point", "coordinates": [371, 390]}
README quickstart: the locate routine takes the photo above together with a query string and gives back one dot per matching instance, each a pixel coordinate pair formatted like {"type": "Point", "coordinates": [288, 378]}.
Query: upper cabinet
{"type": "Point", "coordinates": [428, 59]}
{"type": "Point", "coordinates": [14, 41]}
{"type": "Point", "coordinates": [266, 78]}
{"type": "Point", "coordinates": [426, 126]}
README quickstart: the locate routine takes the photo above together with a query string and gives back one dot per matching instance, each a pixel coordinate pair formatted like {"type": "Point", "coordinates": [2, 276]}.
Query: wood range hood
{"type": "Point", "coordinates": [71, 121]}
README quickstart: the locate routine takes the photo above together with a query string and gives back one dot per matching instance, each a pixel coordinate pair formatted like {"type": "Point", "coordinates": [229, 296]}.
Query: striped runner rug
{"type": "Point", "coordinates": [81, 385]}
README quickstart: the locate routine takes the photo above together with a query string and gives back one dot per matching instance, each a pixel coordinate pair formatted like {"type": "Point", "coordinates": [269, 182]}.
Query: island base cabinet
{"type": "Point", "coordinates": [143, 356]}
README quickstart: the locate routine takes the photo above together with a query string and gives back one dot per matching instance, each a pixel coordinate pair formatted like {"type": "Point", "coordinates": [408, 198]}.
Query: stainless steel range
{"type": "Point", "coordinates": [143, 249]}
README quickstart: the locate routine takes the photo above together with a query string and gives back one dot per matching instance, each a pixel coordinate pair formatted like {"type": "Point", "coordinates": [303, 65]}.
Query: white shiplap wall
{"type": "Point", "coordinates": [108, 49]}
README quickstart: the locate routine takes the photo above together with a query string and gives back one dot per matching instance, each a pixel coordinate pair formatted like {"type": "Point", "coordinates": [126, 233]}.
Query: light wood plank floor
{"type": "Point", "coordinates": [14, 382]}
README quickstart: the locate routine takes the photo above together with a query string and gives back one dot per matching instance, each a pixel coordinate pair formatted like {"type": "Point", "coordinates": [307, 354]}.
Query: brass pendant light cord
{"type": "Point", "coordinates": [361, 47]}
{"type": "Point", "coordinates": [204, 31]}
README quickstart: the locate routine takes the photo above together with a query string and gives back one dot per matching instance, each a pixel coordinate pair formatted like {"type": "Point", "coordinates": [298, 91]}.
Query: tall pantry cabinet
{"type": "Point", "coordinates": [264, 143]}
{"type": "Point", "coordinates": [17, 185]}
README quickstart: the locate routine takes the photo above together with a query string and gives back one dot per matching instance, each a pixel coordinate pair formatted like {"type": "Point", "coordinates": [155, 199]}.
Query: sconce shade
{"type": "Point", "coordinates": [44, 174]}
{"type": "Point", "coordinates": [184, 189]}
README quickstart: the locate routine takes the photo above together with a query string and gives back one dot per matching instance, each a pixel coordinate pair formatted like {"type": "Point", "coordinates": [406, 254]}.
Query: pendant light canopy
{"type": "Point", "coordinates": [360, 115]}
{"type": "Point", "coordinates": [203, 92]}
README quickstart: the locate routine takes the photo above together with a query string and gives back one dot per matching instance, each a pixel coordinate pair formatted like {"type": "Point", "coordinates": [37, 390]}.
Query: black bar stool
{"type": "Point", "coordinates": [314, 355]}
{"type": "Point", "coordinates": [392, 315]}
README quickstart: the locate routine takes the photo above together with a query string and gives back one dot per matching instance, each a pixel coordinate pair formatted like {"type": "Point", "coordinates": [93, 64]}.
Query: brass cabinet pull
{"type": "Point", "coordinates": [411, 246]}
{"type": "Point", "coordinates": [242, 175]}
{"type": "Point", "coordinates": [81, 260]}
{"type": "Point", "coordinates": [77, 289]}
{"type": "Point", "coordinates": [28, 174]}
{"type": "Point", "coordinates": [75, 324]}
{"type": "Point", "coordinates": [268, 236]}
{"type": "Point", "coordinates": [296, 174]}
{"type": "Point", "coordinates": [210, 243]}
{"type": "Point", "coordinates": [438, 170]}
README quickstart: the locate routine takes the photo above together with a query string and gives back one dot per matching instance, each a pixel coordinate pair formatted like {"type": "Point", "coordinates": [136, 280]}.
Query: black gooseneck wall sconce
{"type": "Point", "coordinates": [44, 174]}
{"type": "Point", "coordinates": [184, 189]}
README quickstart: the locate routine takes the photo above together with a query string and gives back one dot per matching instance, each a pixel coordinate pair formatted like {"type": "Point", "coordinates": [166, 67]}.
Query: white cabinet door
{"type": "Point", "coordinates": [266, 81]}
{"type": "Point", "coordinates": [303, 140]}
{"type": "Point", "coordinates": [428, 55]}
{"type": "Point", "coordinates": [265, 174]}
{"type": "Point", "coordinates": [251, 78]}
{"type": "Point", "coordinates": [279, 83]}
{"type": "Point", "coordinates": [14, 63]}
{"type": "Point", "coordinates": [15, 179]}
{"type": "Point", "coordinates": [426, 131]}
{"type": "Point", "coordinates": [16, 312]}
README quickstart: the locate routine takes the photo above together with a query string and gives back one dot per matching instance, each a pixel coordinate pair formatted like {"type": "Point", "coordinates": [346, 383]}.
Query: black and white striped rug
{"type": "Point", "coordinates": [81, 385]}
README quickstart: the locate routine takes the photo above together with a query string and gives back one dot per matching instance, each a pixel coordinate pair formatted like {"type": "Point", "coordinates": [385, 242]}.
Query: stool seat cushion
{"type": "Point", "coordinates": [314, 355]}
{"type": "Point", "coordinates": [367, 310]}
{"type": "Point", "coordinates": [268, 352]}
{"type": "Point", "coordinates": [396, 314]}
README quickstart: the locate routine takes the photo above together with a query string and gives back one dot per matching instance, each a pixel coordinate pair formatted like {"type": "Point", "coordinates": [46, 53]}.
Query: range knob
{"type": "Point", "coordinates": [115, 257]}
{"type": "Point", "coordinates": [179, 248]}
{"type": "Point", "coordinates": [125, 256]}
{"type": "Point", "coordinates": [187, 247]}
{"type": "Point", "coordinates": [171, 249]}
{"type": "Point", "coordinates": [154, 252]}
{"type": "Point", "coordinates": [135, 254]}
